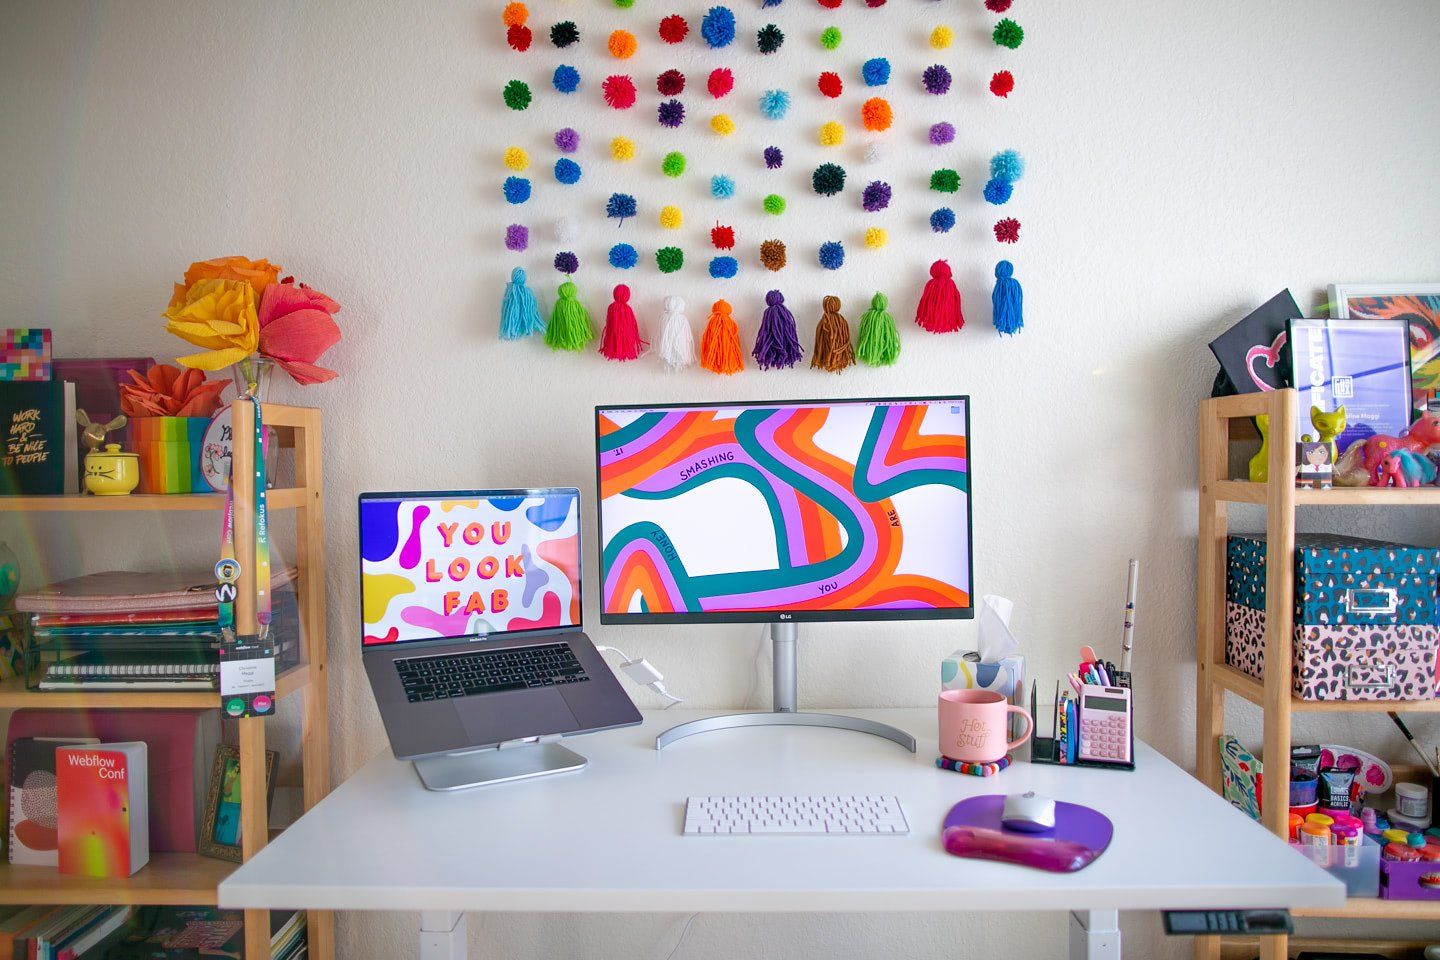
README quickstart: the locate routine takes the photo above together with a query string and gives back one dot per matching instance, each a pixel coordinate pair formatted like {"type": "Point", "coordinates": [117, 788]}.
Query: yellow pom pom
{"type": "Point", "coordinates": [941, 37]}
{"type": "Point", "coordinates": [671, 218]}
{"type": "Point", "coordinates": [722, 124]}
{"type": "Point", "coordinates": [514, 14]}
{"type": "Point", "coordinates": [832, 134]}
{"type": "Point", "coordinates": [622, 148]}
{"type": "Point", "coordinates": [516, 158]}
{"type": "Point", "coordinates": [876, 237]}
{"type": "Point", "coordinates": [622, 44]}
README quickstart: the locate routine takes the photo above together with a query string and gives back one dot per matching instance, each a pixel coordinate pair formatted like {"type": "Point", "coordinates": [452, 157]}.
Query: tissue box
{"type": "Point", "coordinates": [963, 670]}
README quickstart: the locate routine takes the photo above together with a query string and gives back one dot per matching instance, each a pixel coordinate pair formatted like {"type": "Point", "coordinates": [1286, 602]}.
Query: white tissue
{"type": "Point", "coordinates": [996, 641]}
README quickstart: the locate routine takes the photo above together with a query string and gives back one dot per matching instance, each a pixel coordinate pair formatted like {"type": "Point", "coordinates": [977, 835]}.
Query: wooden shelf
{"type": "Point", "coordinates": [279, 498]}
{"type": "Point", "coordinates": [1243, 491]}
{"type": "Point", "coordinates": [168, 879]}
{"type": "Point", "coordinates": [1375, 909]}
{"type": "Point", "coordinates": [13, 694]}
{"type": "Point", "coordinates": [1243, 685]}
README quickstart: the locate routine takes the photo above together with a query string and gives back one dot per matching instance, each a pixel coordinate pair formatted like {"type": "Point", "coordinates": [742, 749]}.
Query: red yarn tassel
{"type": "Point", "coordinates": [622, 339]}
{"type": "Point", "coordinates": [939, 310]}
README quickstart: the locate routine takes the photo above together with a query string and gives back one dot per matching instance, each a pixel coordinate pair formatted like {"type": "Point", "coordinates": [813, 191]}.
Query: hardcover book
{"type": "Point", "coordinates": [104, 818]}
{"type": "Point", "coordinates": [37, 438]}
{"type": "Point", "coordinates": [1253, 353]}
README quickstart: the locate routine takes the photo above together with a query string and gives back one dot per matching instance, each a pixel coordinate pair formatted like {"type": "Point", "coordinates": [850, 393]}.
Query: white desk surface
{"type": "Point", "coordinates": [608, 838]}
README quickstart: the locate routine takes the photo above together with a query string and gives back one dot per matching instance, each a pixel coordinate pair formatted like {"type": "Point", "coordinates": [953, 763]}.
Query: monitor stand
{"type": "Point", "coordinates": [479, 768]}
{"type": "Point", "coordinates": [783, 713]}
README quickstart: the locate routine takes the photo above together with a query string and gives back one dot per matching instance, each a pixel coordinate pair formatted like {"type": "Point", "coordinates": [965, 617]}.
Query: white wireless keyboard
{"type": "Point", "coordinates": [831, 815]}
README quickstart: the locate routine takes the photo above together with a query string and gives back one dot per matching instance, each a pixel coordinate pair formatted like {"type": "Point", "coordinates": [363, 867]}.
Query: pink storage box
{"type": "Point", "coordinates": [1409, 880]}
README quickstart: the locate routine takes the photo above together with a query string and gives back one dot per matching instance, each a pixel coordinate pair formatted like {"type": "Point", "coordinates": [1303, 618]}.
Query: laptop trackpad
{"type": "Point", "coordinates": [496, 717]}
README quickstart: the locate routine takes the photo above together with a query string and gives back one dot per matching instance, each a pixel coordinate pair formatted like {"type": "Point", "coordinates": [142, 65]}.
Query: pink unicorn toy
{"type": "Point", "coordinates": [1367, 458]}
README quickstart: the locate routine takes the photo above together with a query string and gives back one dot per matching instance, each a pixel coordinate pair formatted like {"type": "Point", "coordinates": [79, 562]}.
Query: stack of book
{"type": "Point", "coordinates": [60, 933]}
{"type": "Point", "coordinates": [144, 933]}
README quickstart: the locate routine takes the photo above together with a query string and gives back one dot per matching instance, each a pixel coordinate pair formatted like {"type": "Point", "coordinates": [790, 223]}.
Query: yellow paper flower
{"type": "Point", "coordinates": [218, 315]}
{"type": "Point", "coordinates": [258, 273]}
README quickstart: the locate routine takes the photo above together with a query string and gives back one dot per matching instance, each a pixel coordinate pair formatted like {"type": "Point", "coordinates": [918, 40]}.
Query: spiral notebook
{"type": "Point", "coordinates": [162, 670]}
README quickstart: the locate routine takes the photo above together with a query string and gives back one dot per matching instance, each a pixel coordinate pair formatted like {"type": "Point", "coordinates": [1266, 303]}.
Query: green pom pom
{"type": "Point", "coordinates": [946, 181]}
{"type": "Point", "coordinates": [775, 204]}
{"type": "Point", "coordinates": [674, 164]}
{"type": "Point", "coordinates": [570, 327]}
{"type": "Point", "coordinates": [830, 38]}
{"type": "Point", "coordinates": [669, 259]}
{"type": "Point", "coordinates": [1008, 33]}
{"type": "Point", "coordinates": [624, 4]}
{"type": "Point", "coordinates": [878, 343]}
{"type": "Point", "coordinates": [517, 95]}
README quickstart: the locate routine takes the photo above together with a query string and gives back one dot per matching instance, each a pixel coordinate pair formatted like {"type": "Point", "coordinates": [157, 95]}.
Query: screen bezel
{"type": "Point", "coordinates": [786, 616]}
{"type": "Point", "coordinates": [470, 495]}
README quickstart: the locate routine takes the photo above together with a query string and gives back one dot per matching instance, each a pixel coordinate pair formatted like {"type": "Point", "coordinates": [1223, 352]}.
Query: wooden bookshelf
{"type": "Point", "coordinates": [13, 694]}
{"type": "Point", "coordinates": [277, 498]}
{"type": "Point", "coordinates": [169, 878]}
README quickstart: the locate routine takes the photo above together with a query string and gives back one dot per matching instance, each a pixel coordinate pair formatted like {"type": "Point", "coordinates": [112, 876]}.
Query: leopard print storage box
{"type": "Point", "coordinates": [1365, 616]}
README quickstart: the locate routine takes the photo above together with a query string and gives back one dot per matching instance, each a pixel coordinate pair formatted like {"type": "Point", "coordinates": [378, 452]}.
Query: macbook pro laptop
{"type": "Point", "coordinates": [471, 620]}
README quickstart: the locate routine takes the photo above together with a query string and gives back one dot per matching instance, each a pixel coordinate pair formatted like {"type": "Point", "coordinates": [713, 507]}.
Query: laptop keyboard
{"type": "Point", "coordinates": [489, 671]}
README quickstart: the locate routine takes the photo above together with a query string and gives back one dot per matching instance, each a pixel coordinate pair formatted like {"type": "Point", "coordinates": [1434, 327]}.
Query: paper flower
{"type": "Point", "coordinates": [517, 237]}
{"type": "Point", "coordinates": [774, 158]}
{"type": "Point", "coordinates": [1007, 230]}
{"type": "Point", "coordinates": [830, 84]}
{"type": "Point", "coordinates": [622, 44]}
{"type": "Point", "coordinates": [876, 114]}
{"type": "Point", "coordinates": [671, 83]}
{"type": "Point", "coordinates": [876, 196]}
{"type": "Point", "coordinates": [774, 204]}
{"type": "Point", "coordinates": [942, 220]}
{"type": "Point", "coordinates": [941, 37]}
{"type": "Point", "coordinates": [218, 315]}
{"type": "Point", "coordinates": [832, 134]}
{"type": "Point", "coordinates": [623, 256]}
{"type": "Point", "coordinates": [1002, 83]}
{"type": "Point", "coordinates": [718, 26]}
{"type": "Point", "coordinates": [297, 325]}
{"type": "Point", "coordinates": [673, 165]}
{"type": "Point", "coordinates": [258, 273]}
{"type": "Point", "coordinates": [1008, 34]}
{"type": "Point", "coordinates": [936, 79]}
{"type": "Point", "coordinates": [670, 113]}
{"type": "Point", "coordinates": [516, 94]}
{"type": "Point", "coordinates": [619, 91]}
{"type": "Point", "coordinates": [722, 124]}
{"type": "Point", "coordinates": [722, 187]}
{"type": "Point", "coordinates": [567, 140]}
{"type": "Point", "coordinates": [622, 149]}
{"type": "Point", "coordinates": [828, 179]}
{"type": "Point", "coordinates": [565, 79]}
{"type": "Point", "coordinates": [830, 38]}
{"type": "Point", "coordinates": [876, 72]}
{"type": "Point", "coordinates": [722, 237]}
{"type": "Point", "coordinates": [942, 133]}
{"type": "Point", "coordinates": [721, 82]}
{"type": "Point", "coordinates": [166, 391]}
{"type": "Point", "coordinates": [945, 180]}
{"type": "Point", "coordinates": [774, 104]}
{"type": "Point", "coordinates": [832, 255]}
{"type": "Point", "coordinates": [876, 237]}
{"type": "Point", "coordinates": [671, 218]}
{"type": "Point", "coordinates": [564, 33]}
{"type": "Point", "coordinates": [723, 268]}
{"type": "Point", "coordinates": [669, 259]}
{"type": "Point", "coordinates": [674, 28]}
{"type": "Point", "coordinates": [1007, 165]}
{"type": "Point", "coordinates": [769, 38]}
{"type": "Point", "coordinates": [772, 255]}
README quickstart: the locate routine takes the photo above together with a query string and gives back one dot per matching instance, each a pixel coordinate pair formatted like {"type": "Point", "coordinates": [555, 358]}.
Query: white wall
{"type": "Point", "coordinates": [1186, 161]}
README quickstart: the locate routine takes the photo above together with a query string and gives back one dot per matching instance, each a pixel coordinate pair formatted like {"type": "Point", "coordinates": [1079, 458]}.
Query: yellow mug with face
{"type": "Point", "coordinates": [111, 473]}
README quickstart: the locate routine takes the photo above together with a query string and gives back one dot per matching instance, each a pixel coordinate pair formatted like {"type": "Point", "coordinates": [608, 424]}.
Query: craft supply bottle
{"type": "Point", "coordinates": [1315, 838]}
{"type": "Point", "coordinates": [1347, 838]}
{"type": "Point", "coordinates": [1412, 800]}
{"type": "Point", "coordinates": [1295, 821]}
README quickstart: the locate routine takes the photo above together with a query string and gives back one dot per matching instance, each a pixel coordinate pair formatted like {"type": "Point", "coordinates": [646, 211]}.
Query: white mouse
{"type": "Point", "coordinates": [1028, 812]}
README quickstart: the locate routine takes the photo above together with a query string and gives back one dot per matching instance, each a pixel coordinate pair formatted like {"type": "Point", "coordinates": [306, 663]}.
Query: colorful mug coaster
{"type": "Point", "coordinates": [973, 769]}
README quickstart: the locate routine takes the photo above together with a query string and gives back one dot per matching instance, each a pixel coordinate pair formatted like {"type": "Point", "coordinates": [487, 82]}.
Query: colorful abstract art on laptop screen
{"type": "Point", "coordinates": [826, 508]}
{"type": "Point", "coordinates": [434, 568]}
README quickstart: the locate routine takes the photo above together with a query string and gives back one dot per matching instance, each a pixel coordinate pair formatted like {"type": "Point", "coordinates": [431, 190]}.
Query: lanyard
{"type": "Point", "coordinates": [228, 569]}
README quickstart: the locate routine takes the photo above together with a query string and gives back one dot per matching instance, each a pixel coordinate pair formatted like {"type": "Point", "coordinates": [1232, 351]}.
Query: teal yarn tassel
{"type": "Point", "coordinates": [1008, 299]}
{"type": "Point", "coordinates": [519, 312]}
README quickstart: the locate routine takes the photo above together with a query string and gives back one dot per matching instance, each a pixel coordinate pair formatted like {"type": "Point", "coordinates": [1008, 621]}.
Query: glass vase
{"type": "Point", "coordinates": [252, 377]}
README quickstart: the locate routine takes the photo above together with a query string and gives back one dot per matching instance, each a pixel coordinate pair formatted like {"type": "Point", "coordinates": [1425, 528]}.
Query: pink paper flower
{"type": "Point", "coordinates": [296, 327]}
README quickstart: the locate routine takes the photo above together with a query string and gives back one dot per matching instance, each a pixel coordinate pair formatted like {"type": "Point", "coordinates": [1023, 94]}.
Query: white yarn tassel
{"type": "Point", "coordinates": [677, 343]}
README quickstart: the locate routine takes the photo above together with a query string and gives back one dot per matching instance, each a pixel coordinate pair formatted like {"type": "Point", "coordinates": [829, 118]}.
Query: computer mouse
{"type": "Point", "coordinates": [1028, 812]}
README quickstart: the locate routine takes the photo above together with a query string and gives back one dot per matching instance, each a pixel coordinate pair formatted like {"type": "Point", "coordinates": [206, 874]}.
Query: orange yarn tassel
{"type": "Point", "coordinates": [939, 310]}
{"type": "Point", "coordinates": [720, 344]}
{"type": "Point", "coordinates": [833, 349]}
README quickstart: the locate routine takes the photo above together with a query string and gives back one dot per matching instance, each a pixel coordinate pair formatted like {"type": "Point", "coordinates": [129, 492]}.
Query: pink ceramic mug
{"type": "Point", "coordinates": [973, 725]}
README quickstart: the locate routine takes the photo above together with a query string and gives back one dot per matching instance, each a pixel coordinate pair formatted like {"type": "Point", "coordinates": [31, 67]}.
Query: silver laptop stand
{"type": "Point", "coordinates": [502, 764]}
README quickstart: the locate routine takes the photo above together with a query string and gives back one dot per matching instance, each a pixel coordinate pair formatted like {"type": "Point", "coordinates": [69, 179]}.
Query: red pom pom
{"type": "Point", "coordinates": [998, 6]}
{"type": "Point", "coordinates": [1002, 83]}
{"type": "Point", "coordinates": [1007, 230]}
{"type": "Point", "coordinates": [830, 84]}
{"type": "Point", "coordinates": [874, 3]}
{"type": "Point", "coordinates": [519, 37]}
{"type": "Point", "coordinates": [673, 28]}
{"type": "Point", "coordinates": [671, 83]}
{"type": "Point", "coordinates": [721, 82]}
{"type": "Point", "coordinates": [829, 4]}
{"type": "Point", "coordinates": [723, 238]}
{"type": "Point", "coordinates": [619, 91]}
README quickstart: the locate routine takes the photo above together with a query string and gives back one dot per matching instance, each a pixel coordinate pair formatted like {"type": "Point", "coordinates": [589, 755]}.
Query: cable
{"type": "Point", "coordinates": [683, 931]}
{"type": "Point", "coordinates": [641, 672]}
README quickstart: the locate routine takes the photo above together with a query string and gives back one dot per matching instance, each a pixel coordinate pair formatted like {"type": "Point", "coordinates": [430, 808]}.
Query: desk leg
{"type": "Point", "coordinates": [1095, 935]}
{"type": "Point", "coordinates": [442, 935]}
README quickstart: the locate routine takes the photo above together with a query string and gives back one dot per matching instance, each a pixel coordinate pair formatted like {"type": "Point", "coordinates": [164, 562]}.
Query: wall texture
{"type": "Point", "coordinates": [1186, 161]}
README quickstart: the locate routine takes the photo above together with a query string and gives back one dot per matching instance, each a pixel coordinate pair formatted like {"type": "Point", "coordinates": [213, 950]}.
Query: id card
{"type": "Point", "coordinates": [247, 680]}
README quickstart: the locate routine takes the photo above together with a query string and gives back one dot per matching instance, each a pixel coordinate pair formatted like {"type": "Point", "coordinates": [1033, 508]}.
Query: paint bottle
{"type": "Point", "coordinates": [1400, 851]}
{"type": "Point", "coordinates": [1315, 838]}
{"type": "Point", "coordinates": [1295, 821]}
{"type": "Point", "coordinates": [1321, 820]}
{"type": "Point", "coordinates": [1367, 817]}
{"type": "Point", "coordinates": [1395, 835]}
{"type": "Point", "coordinates": [1347, 839]}
{"type": "Point", "coordinates": [1412, 800]}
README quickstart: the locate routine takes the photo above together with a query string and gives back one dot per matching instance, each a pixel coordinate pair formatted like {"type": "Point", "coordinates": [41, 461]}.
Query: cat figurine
{"type": "Point", "coordinates": [1328, 426]}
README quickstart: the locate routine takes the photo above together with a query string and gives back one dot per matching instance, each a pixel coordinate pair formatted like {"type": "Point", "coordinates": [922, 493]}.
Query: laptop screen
{"type": "Point", "coordinates": [467, 563]}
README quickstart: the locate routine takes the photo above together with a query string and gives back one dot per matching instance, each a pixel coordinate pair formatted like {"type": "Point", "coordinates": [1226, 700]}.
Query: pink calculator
{"type": "Point", "coordinates": [1104, 724]}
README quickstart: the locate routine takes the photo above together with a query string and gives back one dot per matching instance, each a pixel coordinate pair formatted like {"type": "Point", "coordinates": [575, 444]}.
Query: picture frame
{"type": "Point", "coordinates": [1418, 304]}
{"type": "Point", "coordinates": [1362, 365]}
{"type": "Point", "coordinates": [220, 835]}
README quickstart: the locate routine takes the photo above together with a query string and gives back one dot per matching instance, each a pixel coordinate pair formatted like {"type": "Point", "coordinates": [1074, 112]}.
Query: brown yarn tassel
{"type": "Point", "coordinates": [833, 350]}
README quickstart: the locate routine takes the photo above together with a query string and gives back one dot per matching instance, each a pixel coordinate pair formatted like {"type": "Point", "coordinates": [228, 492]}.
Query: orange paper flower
{"type": "Point", "coordinates": [218, 315]}
{"type": "Point", "coordinates": [167, 391]}
{"type": "Point", "coordinates": [258, 273]}
{"type": "Point", "coordinates": [296, 327]}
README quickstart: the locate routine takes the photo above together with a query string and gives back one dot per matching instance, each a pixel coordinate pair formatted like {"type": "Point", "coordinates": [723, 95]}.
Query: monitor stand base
{"type": "Point", "coordinates": [479, 768]}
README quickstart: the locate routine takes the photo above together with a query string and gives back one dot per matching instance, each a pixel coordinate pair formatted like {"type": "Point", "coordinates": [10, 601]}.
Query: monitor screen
{"type": "Point", "coordinates": [802, 510]}
{"type": "Point", "coordinates": [468, 563]}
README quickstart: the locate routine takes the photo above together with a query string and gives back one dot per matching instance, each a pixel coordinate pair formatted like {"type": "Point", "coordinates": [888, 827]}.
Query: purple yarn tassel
{"type": "Point", "coordinates": [777, 344]}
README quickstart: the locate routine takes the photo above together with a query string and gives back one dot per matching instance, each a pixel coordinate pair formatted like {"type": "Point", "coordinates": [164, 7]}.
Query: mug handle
{"type": "Point", "coordinates": [1029, 726]}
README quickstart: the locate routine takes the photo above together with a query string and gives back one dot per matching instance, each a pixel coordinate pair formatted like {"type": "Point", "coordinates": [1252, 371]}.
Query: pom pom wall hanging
{"type": "Point", "coordinates": [671, 113]}
{"type": "Point", "coordinates": [674, 164]}
{"type": "Point", "coordinates": [942, 220]}
{"type": "Point", "coordinates": [1007, 165]}
{"type": "Point", "coordinates": [565, 79]}
{"type": "Point", "coordinates": [722, 124]}
{"type": "Point", "coordinates": [722, 187]}
{"type": "Point", "coordinates": [941, 37]}
{"type": "Point", "coordinates": [566, 262]}
{"type": "Point", "coordinates": [718, 27]}
{"type": "Point", "coordinates": [517, 237]}
{"type": "Point", "coordinates": [876, 237]}
{"type": "Point", "coordinates": [998, 6]}
{"type": "Point", "coordinates": [677, 343]}
{"type": "Point", "coordinates": [774, 204]}
{"type": "Point", "coordinates": [671, 218]}
{"type": "Point", "coordinates": [671, 83]}
{"type": "Point", "coordinates": [723, 237]}
{"type": "Point", "coordinates": [624, 4]}
{"type": "Point", "coordinates": [619, 91]}
{"type": "Point", "coordinates": [669, 259]}
{"type": "Point", "coordinates": [829, 4]}
{"type": "Point", "coordinates": [766, 4]}
{"type": "Point", "coordinates": [567, 140]}
{"type": "Point", "coordinates": [1007, 299]}
{"type": "Point", "coordinates": [872, 152]}
{"type": "Point", "coordinates": [998, 191]}
{"type": "Point", "coordinates": [723, 268]}
{"type": "Point", "coordinates": [564, 33]}
{"type": "Point", "coordinates": [875, 196]}
{"type": "Point", "coordinates": [936, 79]}
{"type": "Point", "coordinates": [720, 343]}
{"type": "Point", "coordinates": [878, 342]}
{"type": "Point", "coordinates": [833, 350]}
{"type": "Point", "coordinates": [828, 179]}
{"type": "Point", "coordinates": [622, 44]}
{"type": "Point", "coordinates": [832, 134]}
{"type": "Point", "coordinates": [876, 72]}
{"type": "Point", "coordinates": [516, 94]}
{"type": "Point", "coordinates": [830, 84]}
{"type": "Point", "coordinates": [519, 37]}
{"type": "Point", "coordinates": [570, 327]}
{"type": "Point", "coordinates": [515, 15]}
{"type": "Point", "coordinates": [674, 28]}
{"type": "Point", "coordinates": [1008, 34]}
{"type": "Point", "coordinates": [939, 310]}
{"type": "Point", "coordinates": [567, 171]}
{"type": "Point", "coordinates": [876, 114]}
{"type": "Point", "coordinates": [942, 133]}
{"type": "Point", "coordinates": [830, 38]}
{"type": "Point", "coordinates": [516, 158]}
{"type": "Point", "coordinates": [772, 255]}
{"type": "Point", "coordinates": [777, 344]}
{"type": "Point", "coordinates": [566, 231]}
{"type": "Point", "coordinates": [769, 38]}
{"type": "Point", "coordinates": [774, 158]}
{"type": "Point", "coordinates": [622, 149]}
{"type": "Point", "coordinates": [621, 340]}
{"type": "Point", "coordinates": [623, 256]}
{"type": "Point", "coordinates": [1007, 230]}
{"type": "Point", "coordinates": [516, 189]}
{"type": "Point", "coordinates": [620, 206]}
{"type": "Point", "coordinates": [832, 255]}
{"type": "Point", "coordinates": [774, 104]}
{"type": "Point", "coordinates": [945, 181]}
{"type": "Point", "coordinates": [720, 82]}
{"type": "Point", "coordinates": [519, 311]}
{"type": "Point", "coordinates": [1002, 83]}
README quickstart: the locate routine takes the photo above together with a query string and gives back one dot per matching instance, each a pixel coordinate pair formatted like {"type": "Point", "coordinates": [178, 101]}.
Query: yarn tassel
{"type": "Point", "coordinates": [720, 344]}
{"type": "Point", "coordinates": [878, 344]}
{"type": "Point", "coordinates": [939, 310]}
{"type": "Point", "coordinates": [519, 311]}
{"type": "Point", "coordinates": [570, 327]}
{"type": "Point", "coordinates": [833, 350]}
{"type": "Point", "coordinates": [622, 340]}
{"type": "Point", "coordinates": [1007, 299]}
{"type": "Point", "coordinates": [777, 344]}
{"type": "Point", "coordinates": [677, 343]}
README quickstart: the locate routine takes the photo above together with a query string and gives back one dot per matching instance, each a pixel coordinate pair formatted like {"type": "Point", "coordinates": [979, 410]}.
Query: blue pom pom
{"type": "Point", "coordinates": [832, 255]}
{"type": "Point", "coordinates": [722, 187]}
{"type": "Point", "coordinates": [620, 206]}
{"type": "Point", "coordinates": [517, 189]}
{"type": "Point", "coordinates": [566, 78]}
{"type": "Point", "coordinates": [1007, 165]}
{"type": "Point", "coordinates": [770, 3]}
{"type": "Point", "coordinates": [623, 256]}
{"type": "Point", "coordinates": [942, 220]}
{"type": "Point", "coordinates": [998, 191]}
{"type": "Point", "coordinates": [718, 27]}
{"type": "Point", "coordinates": [723, 268]}
{"type": "Point", "coordinates": [774, 104]}
{"type": "Point", "coordinates": [567, 170]}
{"type": "Point", "coordinates": [876, 72]}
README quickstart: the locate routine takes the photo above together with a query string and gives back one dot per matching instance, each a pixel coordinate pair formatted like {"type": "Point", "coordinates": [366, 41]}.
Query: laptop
{"type": "Point", "coordinates": [470, 610]}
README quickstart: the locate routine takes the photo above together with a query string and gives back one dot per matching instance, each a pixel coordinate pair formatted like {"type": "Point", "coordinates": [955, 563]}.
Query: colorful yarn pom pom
{"type": "Point", "coordinates": [671, 83]}
{"type": "Point", "coordinates": [945, 180]}
{"type": "Point", "coordinates": [722, 124]}
{"type": "Point", "coordinates": [1007, 165]}
{"type": "Point", "coordinates": [567, 171]}
{"type": "Point", "coordinates": [567, 140]}
{"type": "Point", "coordinates": [876, 196]}
{"type": "Point", "coordinates": [936, 79]}
{"type": "Point", "coordinates": [620, 206]}
{"type": "Point", "coordinates": [722, 187]}
{"type": "Point", "coordinates": [674, 164]}
{"type": "Point", "coordinates": [622, 149]}
{"type": "Point", "coordinates": [624, 4]}
{"type": "Point", "coordinates": [669, 259]}
{"type": "Point", "coordinates": [872, 152]}
{"type": "Point", "coordinates": [567, 231]}
{"type": "Point", "coordinates": [832, 134]}
{"type": "Point", "coordinates": [566, 262]}
{"type": "Point", "coordinates": [622, 44]}
{"type": "Point", "coordinates": [774, 158]}
{"type": "Point", "coordinates": [1002, 83]}
{"type": "Point", "coordinates": [670, 113]}
{"type": "Point", "coordinates": [876, 114]}
{"type": "Point", "coordinates": [674, 28]}
{"type": "Point", "coordinates": [720, 343]}
{"type": "Point", "coordinates": [830, 84]}
{"type": "Point", "coordinates": [671, 218]}
{"type": "Point", "coordinates": [942, 133]}
{"type": "Point", "coordinates": [829, 4]}
{"type": "Point", "coordinates": [517, 94]}
{"type": "Point", "coordinates": [942, 220]}
{"type": "Point", "coordinates": [721, 82]}
{"type": "Point", "coordinates": [833, 349]}
{"type": "Point", "coordinates": [564, 33]}
{"type": "Point", "coordinates": [830, 38]}
{"type": "Point", "coordinates": [516, 158]}
{"type": "Point", "coordinates": [766, 4]}
{"type": "Point", "coordinates": [832, 255]}
{"type": "Point", "coordinates": [828, 179]}
{"type": "Point", "coordinates": [677, 343]}
{"type": "Point", "coordinates": [971, 768]}
{"type": "Point", "coordinates": [621, 340]}
{"type": "Point", "coordinates": [941, 37]}
{"type": "Point", "coordinates": [517, 237]}
{"type": "Point", "coordinates": [514, 14]}
{"type": "Point", "coordinates": [772, 255]}
{"type": "Point", "coordinates": [623, 256]}
{"type": "Point", "coordinates": [998, 6]}
{"type": "Point", "coordinates": [769, 38]}
{"type": "Point", "coordinates": [876, 72]}
{"type": "Point", "coordinates": [570, 327]}
{"type": "Point", "coordinates": [516, 189]}
{"type": "Point", "coordinates": [1008, 34]}
{"type": "Point", "coordinates": [774, 204]}
{"type": "Point", "coordinates": [878, 342]}
{"type": "Point", "coordinates": [1007, 230]}
{"type": "Point", "coordinates": [565, 79]}
{"type": "Point", "coordinates": [619, 91]}
{"type": "Point", "coordinates": [723, 237]}
{"type": "Point", "coordinates": [519, 37]}
{"type": "Point", "coordinates": [777, 344]}
{"type": "Point", "coordinates": [519, 311]}
{"type": "Point", "coordinates": [1007, 300]}
{"type": "Point", "coordinates": [774, 104]}
{"type": "Point", "coordinates": [998, 191]}
{"type": "Point", "coordinates": [718, 27]}
{"type": "Point", "coordinates": [876, 237]}
{"type": "Point", "coordinates": [723, 268]}
{"type": "Point", "coordinates": [939, 310]}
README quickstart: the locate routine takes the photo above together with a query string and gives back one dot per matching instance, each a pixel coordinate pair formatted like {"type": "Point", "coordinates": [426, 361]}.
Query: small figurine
{"type": "Point", "coordinates": [1313, 465]}
{"type": "Point", "coordinates": [1260, 463]}
{"type": "Point", "coordinates": [1418, 439]}
{"type": "Point", "coordinates": [93, 433]}
{"type": "Point", "coordinates": [1406, 468]}
{"type": "Point", "coordinates": [1328, 426]}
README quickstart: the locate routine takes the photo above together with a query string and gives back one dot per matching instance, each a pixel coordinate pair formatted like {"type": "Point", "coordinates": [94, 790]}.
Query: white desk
{"type": "Point", "coordinates": [608, 839]}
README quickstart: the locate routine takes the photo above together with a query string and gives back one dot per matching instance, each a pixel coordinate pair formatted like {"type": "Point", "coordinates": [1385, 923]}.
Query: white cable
{"type": "Point", "coordinates": [683, 931]}
{"type": "Point", "coordinates": [643, 673]}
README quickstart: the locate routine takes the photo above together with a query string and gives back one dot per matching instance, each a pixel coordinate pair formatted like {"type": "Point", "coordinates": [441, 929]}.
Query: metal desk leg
{"type": "Point", "coordinates": [1095, 935]}
{"type": "Point", "coordinates": [442, 935]}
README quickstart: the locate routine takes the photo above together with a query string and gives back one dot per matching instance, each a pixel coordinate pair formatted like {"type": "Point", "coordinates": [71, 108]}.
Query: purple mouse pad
{"type": "Point", "coordinates": [972, 829]}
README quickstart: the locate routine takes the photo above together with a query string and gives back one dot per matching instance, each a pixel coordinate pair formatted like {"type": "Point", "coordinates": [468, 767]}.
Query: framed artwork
{"type": "Point", "coordinates": [1362, 365]}
{"type": "Point", "coordinates": [1418, 305]}
{"type": "Point", "coordinates": [220, 830]}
